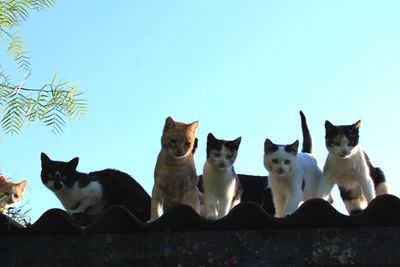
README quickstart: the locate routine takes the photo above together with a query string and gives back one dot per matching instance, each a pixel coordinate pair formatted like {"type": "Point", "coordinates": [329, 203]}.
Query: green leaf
{"type": "Point", "coordinates": [53, 103]}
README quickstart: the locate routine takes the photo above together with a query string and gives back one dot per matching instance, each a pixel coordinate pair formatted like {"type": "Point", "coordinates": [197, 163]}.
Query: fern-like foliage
{"type": "Point", "coordinates": [52, 103]}
{"type": "Point", "coordinates": [17, 216]}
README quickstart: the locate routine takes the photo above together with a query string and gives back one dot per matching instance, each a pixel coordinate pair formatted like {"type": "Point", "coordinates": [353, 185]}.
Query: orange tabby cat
{"type": "Point", "coordinates": [10, 193]}
{"type": "Point", "coordinates": [175, 177]}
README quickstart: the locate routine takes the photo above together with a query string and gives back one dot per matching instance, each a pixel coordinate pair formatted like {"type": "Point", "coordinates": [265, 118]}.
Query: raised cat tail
{"type": "Point", "coordinates": [378, 177]}
{"type": "Point", "coordinates": [307, 142]}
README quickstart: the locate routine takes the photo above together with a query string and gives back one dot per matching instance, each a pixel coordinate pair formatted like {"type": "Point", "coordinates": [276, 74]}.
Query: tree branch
{"type": "Point", "coordinates": [30, 89]}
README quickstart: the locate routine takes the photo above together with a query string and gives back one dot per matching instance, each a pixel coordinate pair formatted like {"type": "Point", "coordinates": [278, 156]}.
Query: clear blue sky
{"type": "Point", "coordinates": [242, 68]}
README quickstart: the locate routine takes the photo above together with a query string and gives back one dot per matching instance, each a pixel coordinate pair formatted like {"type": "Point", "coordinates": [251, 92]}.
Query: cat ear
{"type": "Point", "coordinates": [293, 148]}
{"type": "Point", "coordinates": [234, 144]}
{"type": "Point", "coordinates": [269, 147]}
{"type": "Point", "coordinates": [45, 159]}
{"type": "Point", "coordinates": [237, 142]}
{"type": "Point", "coordinates": [211, 138]}
{"type": "Point", "coordinates": [329, 126]}
{"type": "Point", "coordinates": [22, 185]}
{"type": "Point", "coordinates": [169, 123]}
{"type": "Point", "coordinates": [357, 125]}
{"type": "Point", "coordinates": [3, 180]}
{"type": "Point", "coordinates": [193, 126]}
{"type": "Point", "coordinates": [74, 162]}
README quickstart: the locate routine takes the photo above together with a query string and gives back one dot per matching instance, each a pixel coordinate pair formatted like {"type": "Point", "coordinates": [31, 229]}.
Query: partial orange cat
{"type": "Point", "coordinates": [175, 176]}
{"type": "Point", "coordinates": [10, 193]}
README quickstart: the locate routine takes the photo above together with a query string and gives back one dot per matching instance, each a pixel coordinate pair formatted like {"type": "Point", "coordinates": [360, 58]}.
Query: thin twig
{"type": "Point", "coordinates": [7, 33]}
{"type": "Point", "coordinates": [31, 89]}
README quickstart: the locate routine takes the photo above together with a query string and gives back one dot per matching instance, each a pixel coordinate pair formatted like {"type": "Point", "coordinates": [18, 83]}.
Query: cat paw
{"type": "Point", "coordinates": [212, 217]}
{"type": "Point", "coordinates": [151, 220]}
{"type": "Point", "coordinates": [73, 212]}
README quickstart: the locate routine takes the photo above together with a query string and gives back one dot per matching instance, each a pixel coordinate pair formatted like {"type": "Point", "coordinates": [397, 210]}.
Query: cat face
{"type": "Point", "coordinates": [178, 138]}
{"type": "Point", "coordinates": [221, 153]}
{"type": "Point", "coordinates": [57, 175]}
{"type": "Point", "coordinates": [342, 141]}
{"type": "Point", "coordinates": [280, 160]}
{"type": "Point", "coordinates": [11, 193]}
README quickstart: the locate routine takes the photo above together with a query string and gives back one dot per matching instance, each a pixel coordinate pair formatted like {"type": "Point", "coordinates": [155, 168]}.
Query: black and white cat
{"type": "Point", "coordinates": [222, 188]}
{"type": "Point", "coordinates": [92, 193]}
{"type": "Point", "coordinates": [348, 166]}
{"type": "Point", "coordinates": [294, 177]}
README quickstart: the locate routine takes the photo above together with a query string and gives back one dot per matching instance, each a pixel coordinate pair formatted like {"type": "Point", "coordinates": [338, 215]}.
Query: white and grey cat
{"type": "Point", "coordinates": [348, 166]}
{"type": "Point", "coordinates": [294, 177]}
{"type": "Point", "coordinates": [222, 188]}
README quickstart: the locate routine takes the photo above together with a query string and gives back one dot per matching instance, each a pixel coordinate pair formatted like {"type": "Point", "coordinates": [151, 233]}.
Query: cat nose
{"type": "Point", "coordinates": [179, 152]}
{"type": "Point", "coordinates": [57, 185]}
{"type": "Point", "coordinates": [281, 170]}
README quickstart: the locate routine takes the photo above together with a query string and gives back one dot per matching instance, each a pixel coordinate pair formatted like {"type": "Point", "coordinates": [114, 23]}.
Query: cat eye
{"type": "Point", "coordinates": [287, 162]}
{"type": "Point", "coordinates": [352, 143]}
{"type": "Point", "coordinates": [217, 155]}
{"type": "Point", "coordinates": [173, 141]}
{"type": "Point", "coordinates": [275, 161]}
{"type": "Point", "coordinates": [187, 144]}
{"type": "Point", "coordinates": [15, 195]}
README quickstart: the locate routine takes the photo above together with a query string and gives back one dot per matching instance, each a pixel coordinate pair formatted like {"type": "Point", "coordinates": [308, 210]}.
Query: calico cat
{"type": "Point", "coordinates": [92, 193]}
{"type": "Point", "coordinates": [348, 166]}
{"type": "Point", "coordinates": [222, 188]}
{"type": "Point", "coordinates": [294, 177]}
{"type": "Point", "coordinates": [10, 193]}
{"type": "Point", "coordinates": [175, 177]}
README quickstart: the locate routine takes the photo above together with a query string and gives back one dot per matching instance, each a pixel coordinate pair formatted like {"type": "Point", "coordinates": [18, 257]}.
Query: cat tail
{"type": "Point", "coordinates": [379, 179]}
{"type": "Point", "coordinates": [196, 142]}
{"type": "Point", "coordinates": [307, 142]}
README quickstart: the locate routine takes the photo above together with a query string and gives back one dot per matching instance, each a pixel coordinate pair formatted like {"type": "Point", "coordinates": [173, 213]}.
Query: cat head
{"type": "Point", "coordinates": [342, 141]}
{"type": "Point", "coordinates": [11, 193]}
{"type": "Point", "coordinates": [280, 160]}
{"type": "Point", "coordinates": [178, 138]}
{"type": "Point", "coordinates": [221, 153]}
{"type": "Point", "coordinates": [57, 175]}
